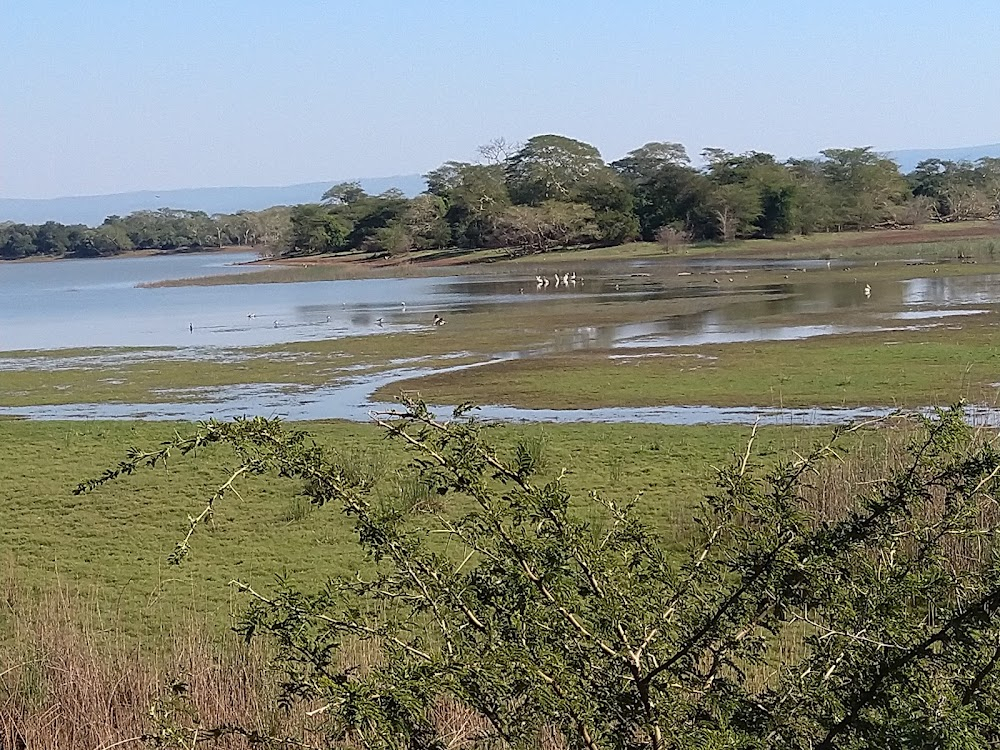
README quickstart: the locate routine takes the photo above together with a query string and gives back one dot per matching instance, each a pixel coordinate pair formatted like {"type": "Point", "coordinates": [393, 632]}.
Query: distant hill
{"type": "Point", "coordinates": [93, 209]}
{"type": "Point", "coordinates": [909, 158]}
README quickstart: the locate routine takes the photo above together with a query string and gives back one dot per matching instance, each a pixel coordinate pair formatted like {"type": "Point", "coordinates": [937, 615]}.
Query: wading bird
{"type": "Point", "coordinates": [438, 320]}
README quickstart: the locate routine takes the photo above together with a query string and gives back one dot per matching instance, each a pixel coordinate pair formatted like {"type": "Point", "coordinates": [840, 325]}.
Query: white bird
{"type": "Point", "coordinates": [572, 277]}
{"type": "Point", "coordinates": [868, 290]}
{"type": "Point", "coordinates": [545, 281]}
{"type": "Point", "coordinates": [438, 320]}
{"type": "Point", "coordinates": [379, 322]}
{"type": "Point", "coordinates": [251, 315]}
{"type": "Point", "coordinates": [540, 280]}
{"type": "Point", "coordinates": [557, 279]}
{"type": "Point", "coordinates": [403, 305]}
{"type": "Point", "coordinates": [565, 279]}
{"type": "Point", "coordinates": [275, 324]}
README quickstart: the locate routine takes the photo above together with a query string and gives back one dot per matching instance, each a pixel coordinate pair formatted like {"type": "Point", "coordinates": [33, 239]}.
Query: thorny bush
{"type": "Point", "coordinates": [535, 618]}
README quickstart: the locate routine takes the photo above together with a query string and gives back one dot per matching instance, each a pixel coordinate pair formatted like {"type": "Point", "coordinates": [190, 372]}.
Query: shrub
{"type": "Point", "coordinates": [795, 621]}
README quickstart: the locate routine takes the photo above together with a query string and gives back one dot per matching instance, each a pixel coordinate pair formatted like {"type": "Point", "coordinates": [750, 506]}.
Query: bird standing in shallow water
{"type": "Point", "coordinates": [438, 320]}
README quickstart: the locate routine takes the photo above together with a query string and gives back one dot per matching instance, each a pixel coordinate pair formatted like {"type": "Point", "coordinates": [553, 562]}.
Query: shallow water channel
{"type": "Point", "coordinates": [102, 304]}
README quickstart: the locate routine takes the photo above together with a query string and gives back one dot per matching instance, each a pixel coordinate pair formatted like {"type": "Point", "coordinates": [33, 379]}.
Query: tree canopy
{"type": "Point", "coordinates": [554, 191]}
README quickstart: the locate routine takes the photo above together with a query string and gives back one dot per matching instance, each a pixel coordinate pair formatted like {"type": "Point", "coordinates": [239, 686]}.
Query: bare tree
{"type": "Point", "coordinates": [498, 150]}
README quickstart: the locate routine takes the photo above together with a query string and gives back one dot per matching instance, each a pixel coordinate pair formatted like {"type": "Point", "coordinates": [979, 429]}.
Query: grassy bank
{"type": "Point", "coordinates": [894, 368]}
{"type": "Point", "coordinates": [113, 544]}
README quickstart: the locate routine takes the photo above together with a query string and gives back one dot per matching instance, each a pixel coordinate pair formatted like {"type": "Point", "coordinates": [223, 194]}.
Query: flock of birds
{"type": "Point", "coordinates": [566, 280]}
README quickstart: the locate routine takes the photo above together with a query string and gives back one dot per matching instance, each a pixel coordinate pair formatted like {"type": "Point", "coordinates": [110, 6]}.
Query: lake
{"type": "Point", "coordinates": [103, 303]}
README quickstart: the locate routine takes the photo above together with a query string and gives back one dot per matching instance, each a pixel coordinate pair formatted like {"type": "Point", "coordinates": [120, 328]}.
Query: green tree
{"type": "Point", "coordinates": [812, 197]}
{"type": "Point", "coordinates": [424, 222]}
{"type": "Point", "coordinates": [538, 229]}
{"type": "Point", "coordinates": [316, 229]}
{"type": "Point", "coordinates": [641, 165]}
{"type": "Point", "coordinates": [535, 613]}
{"type": "Point", "coordinates": [475, 195]}
{"type": "Point", "coordinates": [551, 167]}
{"type": "Point", "coordinates": [344, 193]}
{"type": "Point", "coordinates": [613, 204]}
{"type": "Point", "coordinates": [52, 238]}
{"type": "Point", "coordinates": [735, 209]}
{"type": "Point", "coordinates": [17, 241]}
{"type": "Point", "coordinates": [867, 188]}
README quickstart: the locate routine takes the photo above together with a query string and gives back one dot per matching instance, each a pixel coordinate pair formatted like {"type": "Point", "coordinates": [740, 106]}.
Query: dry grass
{"type": "Point", "coordinates": [69, 680]}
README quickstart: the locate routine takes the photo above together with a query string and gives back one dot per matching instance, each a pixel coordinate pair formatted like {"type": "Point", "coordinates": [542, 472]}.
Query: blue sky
{"type": "Point", "coordinates": [117, 95]}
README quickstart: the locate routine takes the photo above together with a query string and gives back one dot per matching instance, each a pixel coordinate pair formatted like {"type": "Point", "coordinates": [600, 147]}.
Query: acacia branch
{"type": "Point", "coordinates": [338, 624]}
{"type": "Point", "coordinates": [761, 568]}
{"type": "Point", "coordinates": [893, 666]}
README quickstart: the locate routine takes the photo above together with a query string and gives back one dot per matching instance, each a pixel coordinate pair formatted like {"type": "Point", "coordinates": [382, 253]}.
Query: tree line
{"type": "Point", "coordinates": [164, 229]}
{"type": "Point", "coordinates": [554, 191]}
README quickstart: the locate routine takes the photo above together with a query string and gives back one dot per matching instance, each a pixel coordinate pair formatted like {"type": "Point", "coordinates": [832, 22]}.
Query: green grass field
{"type": "Point", "coordinates": [894, 368]}
{"type": "Point", "coordinates": [111, 546]}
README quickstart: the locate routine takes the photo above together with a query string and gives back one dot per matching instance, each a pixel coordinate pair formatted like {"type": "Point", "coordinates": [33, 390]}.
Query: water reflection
{"type": "Point", "coordinates": [96, 303]}
{"type": "Point", "coordinates": [954, 290]}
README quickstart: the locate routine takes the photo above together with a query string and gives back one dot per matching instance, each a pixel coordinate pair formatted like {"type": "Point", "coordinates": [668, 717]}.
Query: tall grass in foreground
{"type": "Point", "coordinates": [69, 680]}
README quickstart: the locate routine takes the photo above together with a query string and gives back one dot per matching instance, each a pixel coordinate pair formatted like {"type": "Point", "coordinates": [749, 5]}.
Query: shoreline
{"type": "Point", "coordinates": [447, 261]}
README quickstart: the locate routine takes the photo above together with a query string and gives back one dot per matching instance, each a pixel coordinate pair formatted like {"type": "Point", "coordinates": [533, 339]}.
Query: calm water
{"type": "Point", "coordinates": [100, 303]}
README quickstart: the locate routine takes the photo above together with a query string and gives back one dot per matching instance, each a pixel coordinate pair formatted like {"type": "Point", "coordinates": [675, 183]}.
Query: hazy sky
{"type": "Point", "coordinates": [117, 95]}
